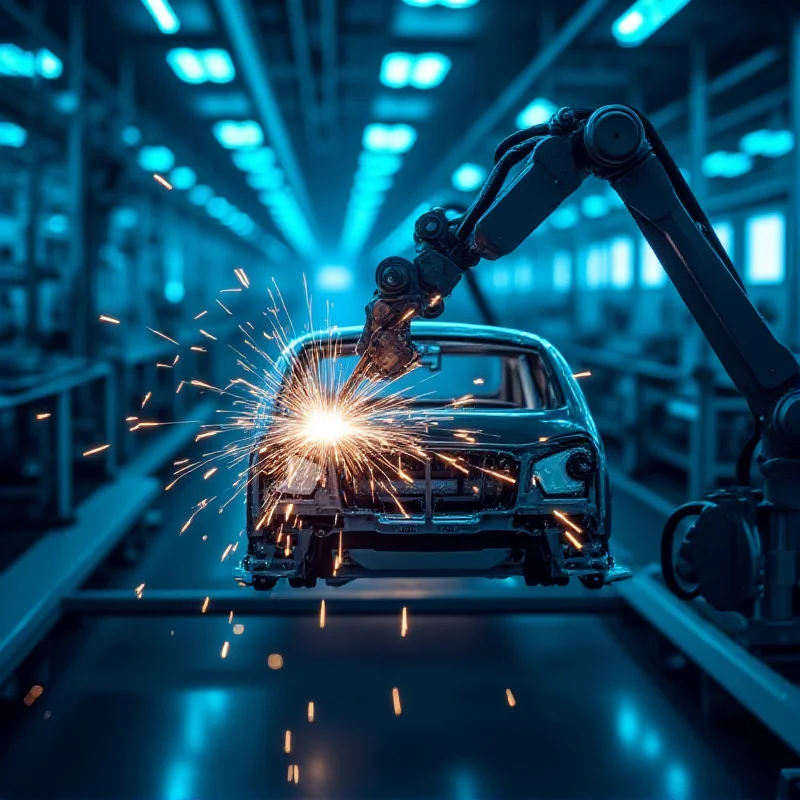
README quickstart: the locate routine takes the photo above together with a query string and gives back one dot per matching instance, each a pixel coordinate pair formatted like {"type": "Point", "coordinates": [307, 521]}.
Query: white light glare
{"type": "Point", "coordinates": [235, 135]}
{"type": "Point", "coordinates": [643, 19]}
{"type": "Point", "coordinates": [536, 113]}
{"type": "Point", "coordinates": [468, 177]}
{"type": "Point", "coordinates": [380, 138]}
{"type": "Point", "coordinates": [163, 14]}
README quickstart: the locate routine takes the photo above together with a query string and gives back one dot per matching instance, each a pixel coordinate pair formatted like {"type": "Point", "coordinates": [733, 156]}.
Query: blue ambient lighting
{"type": "Point", "coordinates": [260, 160]}
{"type": "Point", "coordinates": [370, 182]}
{"type": "Point", "coordinates": [537, 112]}
{"type": "Point", "coordinates": [201, 66]}
{"type": "Point", "coordinates": [564, 217]}
{"type": "Point", "coordinates": [380, 138]}
{"type": "Point", "coordinates": [200, 195]}
{"type": "Point", "coordinates": [174, 291]}
{"type": "Point", "coordinates": [445, 3]}
{"type": "Point", "coordinates": [595, 206]}
{"type": "Point", "coordinates": [48, 64]}
{"type": "Point", "coordinates": [393, 107]}
{"type": "Point", "coordinates": [217, 207]}
{"type": "Point", "coordinates": [156, 159]}
{"type": "Point", "coordinates": [163, 14]}
{"type": "Point", "coordinates": [424, 71]}
{"type": "Point", "coordinates": [643, 19]}
{"type": "Point", "coordinates": [620, 255]}
{"type": "Point", "coordinates": [65, 102]}
{"type": "Point", "coordinates": [380, 163]}
{"type": "Point", "coordinates": [334, 279]}
{"type": "Point", "coordinates": [125, 218]}
{"type": "Point", "coordinates": [12, 135]}
{"type": "Point", "coordinates": [131, 136]}
{"type": "Point", "coordinates": [468, 177]}
{"type": "Point", "coordinates": [182, 178]}
{"type": "Point", "coordinates": [723, 164]}
{"type": "Point", "coordinates": [562, 271]}
{"type": "Point", "coordinates": [236, 135]}
{"type": "Point", "coordinates": [269, 179]}
{"type": "Point", "coordinates": [57, 224]}
{"type": "Point", "coordinates": [765, 243]}
{"type": "Point", "coordinates": [651, 273]}
{"type": "Point", "coordinates": [770, 144]}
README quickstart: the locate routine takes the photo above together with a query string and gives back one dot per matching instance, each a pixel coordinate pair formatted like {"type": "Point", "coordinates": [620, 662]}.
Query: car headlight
{"type": "Point", "coordinates": [565, 473]}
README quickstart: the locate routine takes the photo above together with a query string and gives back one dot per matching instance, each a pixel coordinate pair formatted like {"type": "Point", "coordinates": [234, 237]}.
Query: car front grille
{"type": "Point", "coordinates": [454, 482]}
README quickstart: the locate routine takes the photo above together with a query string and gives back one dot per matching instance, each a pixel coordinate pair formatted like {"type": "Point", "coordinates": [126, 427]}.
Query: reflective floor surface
{"type": "Point", "coordinates": [148, 708]}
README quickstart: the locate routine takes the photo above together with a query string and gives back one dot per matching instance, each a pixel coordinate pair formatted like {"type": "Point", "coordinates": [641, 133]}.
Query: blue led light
{"type": "Point", "coordinates": [200, 195]}
{"type": "Point", "coordinates": [16, 62]}
{"type": "Point", "coordinates": [643, 19]}
{"type": "Point", "coordinates": [768, 143]}
{"type": "Point", "coordinates": [393, 107]}
{"type": "Point", "coordinates": [536, 112]}
{"type": "Point", "coordinates": [260, 160]}
{"type": "Point", "coordinates": [182, 178]}
{"type": "Point", "coordinates": [429, 70]}
{"type": "Point", "coordinates": [163, 14]}
{"type": "Point", "coordinates": [65, 102]}
{"type": "Point", "coordinates": [468, 177]}
{"type": "Point", "coordinates": [156, 159]}
{"type": "Point", "coordinates": [57, 224]}
{"type": "Point", "coordinates": [125, 218]}
{"type": "Point", "coordinates": [651, 273]}
{"type": "Point", "coordinates": [380, 163]}
{"type": "Point", "coordinates": [723, 164]}
{"type": "Point", "coordinates": [48, 64]}
{"type": "Point", "coordinates": [12, 135]}
{"type": "Point", "coordinates": [217, 207]}
{"type": "Point", "coordinates": [396, 70]}
{"type": "Point", "coordinates": [562, 271]}
{"type": "Point", "coordinates": [131, 136]}
{"type": "Point", "coordinates": [334, 279]}
{"type": "Point", "coordinates": [237, 135]}
{"type": "Point", "coordinates": [620, 256]}
{"type": "Point", "coordinates": [174, 291]}
{"type": "Point", "coordinates": [380, 138]}
{"type": "Point", "coordinates": [269, 179]}
{"type": "Point", "coordinates": [445, 3]}
{"type": "Point", "coordinates": [201, 66]}
{"type": "Point", "coordinates": [564, 217]}
{"type": "Point", "coordinates": [595, 206]}
{"type": "Point", "coordinates": [765, 256]}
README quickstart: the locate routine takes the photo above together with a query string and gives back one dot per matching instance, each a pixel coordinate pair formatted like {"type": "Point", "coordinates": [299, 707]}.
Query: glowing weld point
{"type": "Point", "coordinates": [586, 374]}
{"type": "Point", "coordinates": [97, 450]}
{"type": "Point", "coordinates": [166, 184]}
{"type": "Point", "coordinates": [510, 697]}
{"type": "Point", "coordinates": [322, 614]}
{"type": "Point", "coordinates": [396, 702]}
{"type": "Point", "coordinates": [104, 318]}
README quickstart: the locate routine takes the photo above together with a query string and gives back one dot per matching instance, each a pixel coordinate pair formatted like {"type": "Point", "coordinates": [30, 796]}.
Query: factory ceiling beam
{"type": "Point", "coordinates": [240, 23]}
{"type": "Point", "coordinates": [722, 83]}
{"type": "Point", "coordinates": [329, 47]}
{"type": "Point", "coordinates": [512, 98]}
{"type": "Point", "coordinates": [303, 69]}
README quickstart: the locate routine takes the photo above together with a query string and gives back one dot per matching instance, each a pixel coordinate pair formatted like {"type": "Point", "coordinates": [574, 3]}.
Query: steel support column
{"type": "Point", "coordinates": [304, 71]}
{"type": "Point", "coordinates": [793, 240]}
{"type": "Point", "coordinates": [330, 77]}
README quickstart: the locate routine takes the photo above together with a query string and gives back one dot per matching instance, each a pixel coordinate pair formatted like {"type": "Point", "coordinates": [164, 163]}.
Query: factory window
{"type": "Point", "coordinates": [651, 273]}
{"type": "Point", "coordinates": [562, 271]}
{"type": "Point", "coordinates": [724, 231]}
{"type": "Point", "coordinates": [597, 266]}
{"type": "Point", "coordinates": [501, 279]}
{"type": "Point", "coordinates": [523, 275]}
{"type": "Point", "coordinates": [765, 242]}
{"type": "Point", "coordinates": [620, 256]}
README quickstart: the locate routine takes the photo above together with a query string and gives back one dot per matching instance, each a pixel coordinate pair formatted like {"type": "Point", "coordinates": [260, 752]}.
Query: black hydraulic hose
{"type": "Point", "coordinates": [518, 137]}
{"type": "Point", "coordinates": [681, 513]}
{"type": "Point", "coordinates": [745, 460]}
{"type": "Point", "coordinates": [492, 186]}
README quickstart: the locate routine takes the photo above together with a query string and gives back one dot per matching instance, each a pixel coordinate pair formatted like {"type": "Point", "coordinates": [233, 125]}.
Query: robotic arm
{"type": "Point", "coordinates": [619, 145]}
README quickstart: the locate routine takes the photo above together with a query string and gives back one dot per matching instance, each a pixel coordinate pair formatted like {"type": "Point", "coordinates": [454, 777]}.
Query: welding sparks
{"type": "Point", "coordinates": [404, 622]}
{"type": "Point", "coordinates": [240, 274]}
{"type": "Point", "coordinates": [396, 702]}
{"type": "Point", "coordinates": [207, 334]}
{"type": "Point", "coordinates": [287, 742]}
{"type": "Point", "coordinates": [575, 543]}
{"type": "Point", "coordinates": [43, 416]}
{"type": "Point", "coordinates": [230, 618]}
{"type": "Point", "coordinates": [205, 605]}
{"type": "Point", "coordinates": [275, 661]}
{"type": "Point", "coordinates": [146, 398]}
{"type": "Point", "coordinates": [105, 318]}
{"type": "Point", "coordinates": [210, 472]}
{"type": "Point", "coordinates": [310, 710]}
{"type": "Point", "coordinates": [97, 450]}
{"type": "Point", "coordinates": [586, 374]}
{"type": "Point", "coordinates": [510, 697]}
{"type": "Point", "coordinates": [479, 381]}
{"type": "Point", "coordinates": [227, 552]}
{"type": "Point", "coordinates": [198, 349]}
{"type": "Point", "coordinates": [165, 183]}
{"type": "Point", "coordinates": [408, 314]}
{"type": "Point", "coordinates": [238, 629]}
{"type": "Point", "coordinates": [139, 591]}
{"type": "Point", "coordinates": [322, 614]}
{"type": "Point", "coordinates": [201, 314]}
{"type": "Point", "coordinates": [162, 335]}
{"type": "Point", "coordinates": [225, 647]}
{"type": "Point", "coordinates": [461, 400]}
{"type": "Point", "coordinates": [295, 774]}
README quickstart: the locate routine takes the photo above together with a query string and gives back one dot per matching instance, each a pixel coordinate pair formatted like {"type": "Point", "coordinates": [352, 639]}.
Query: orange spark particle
{"type": "Point", "coordinates": [225, 647]}
{"type": "Point", "coordinates": [104, 318]}
{"type": "Point", "coordinates": [165, 183]}
{"type": "Point", "coordinates": [97, 450]}
{"type": "Point", "coordinates": [396, 702]}
{"type": "Point", "coordinates": [510, 697]}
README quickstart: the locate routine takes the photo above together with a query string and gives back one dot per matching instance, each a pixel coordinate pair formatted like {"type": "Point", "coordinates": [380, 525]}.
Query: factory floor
{"type": "Point", "coordinates": [147, 708]}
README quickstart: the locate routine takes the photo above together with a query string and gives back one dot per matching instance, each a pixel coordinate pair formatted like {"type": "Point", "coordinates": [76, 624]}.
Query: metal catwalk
{"type": "Point", "coordinates": [148, 708]}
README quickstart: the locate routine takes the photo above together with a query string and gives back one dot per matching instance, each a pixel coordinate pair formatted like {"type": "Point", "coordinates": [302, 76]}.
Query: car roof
{"type": "Point", "coordinates": [425, 329]}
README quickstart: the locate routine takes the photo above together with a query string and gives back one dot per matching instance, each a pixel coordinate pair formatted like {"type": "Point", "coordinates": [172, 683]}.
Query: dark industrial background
{"type": "Point", "coordinates": [300, 139]}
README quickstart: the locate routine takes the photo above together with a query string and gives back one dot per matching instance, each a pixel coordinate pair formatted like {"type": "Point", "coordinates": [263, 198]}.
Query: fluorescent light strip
{"type": "Point", "coordinates": [162, 13]}
{"type": "Point", "coordinates": [643, 19]}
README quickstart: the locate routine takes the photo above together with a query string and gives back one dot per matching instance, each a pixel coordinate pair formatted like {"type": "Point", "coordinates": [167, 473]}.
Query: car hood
{"type": "Point", "coordinates": [502, 428]}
